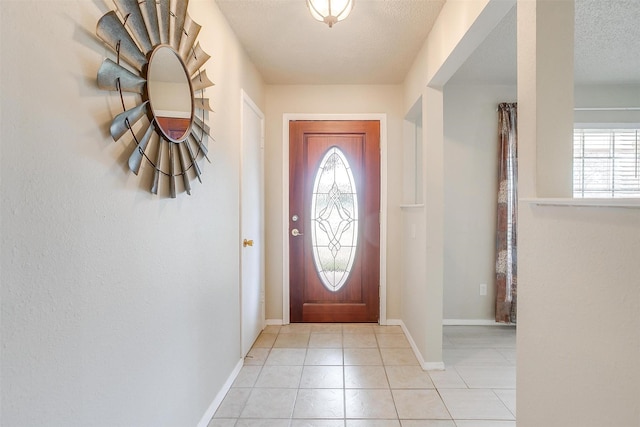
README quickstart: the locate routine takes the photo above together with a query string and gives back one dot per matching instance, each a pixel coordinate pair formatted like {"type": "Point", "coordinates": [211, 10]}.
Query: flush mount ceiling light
{"type": "Point", "coordinates": [330, 11]}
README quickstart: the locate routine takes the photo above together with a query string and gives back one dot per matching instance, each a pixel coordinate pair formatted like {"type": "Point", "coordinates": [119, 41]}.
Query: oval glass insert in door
{"type": "Point", "coordinates": [334, 220]}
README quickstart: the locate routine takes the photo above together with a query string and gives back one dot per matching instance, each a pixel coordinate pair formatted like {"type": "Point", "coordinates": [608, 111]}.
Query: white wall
{"type": "Point", "coordinates": [171, 98]}
{"type": "Point", "coordinates": [447, 34]}
{"type": "Point", "coordinates": [330, 100]}
{"type": "Point", "coordinates": [459, 29]}
{"type": "Point", "coordinates": [578, 323]}
{"type": "Point", "coordinates": [471, 145]}
{"type": "Point", "coordinates": [412, 172]}
{"type": "Point", "coordinates": [470, 173]}
{"type": "Point", "coordinates": [607, 96]}
{"type": "Point", "coordinates": [119, 308]}
{"type": "Point", "coordinates": [579, 287]}
{"type": "Point", "coordinates": [422, 249]}
{"type": "Point", "coordinates": [581, 303]}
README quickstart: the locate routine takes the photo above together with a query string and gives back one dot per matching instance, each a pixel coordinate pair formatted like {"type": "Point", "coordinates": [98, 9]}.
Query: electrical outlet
{"type": "Point", "coordinates": [483, 289]}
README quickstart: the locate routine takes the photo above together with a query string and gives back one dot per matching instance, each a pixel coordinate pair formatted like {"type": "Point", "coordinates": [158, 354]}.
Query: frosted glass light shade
{"type": "Point", "coordinates": [330, 11]}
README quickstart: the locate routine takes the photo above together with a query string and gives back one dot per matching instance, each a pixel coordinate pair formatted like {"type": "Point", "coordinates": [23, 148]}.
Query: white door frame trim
{"type": "Point", "coordinates": [286, 118]}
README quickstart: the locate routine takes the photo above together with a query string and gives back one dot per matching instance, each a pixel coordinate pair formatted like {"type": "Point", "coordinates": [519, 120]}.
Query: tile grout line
{"type": "Point", "coordinates": [384, 366]}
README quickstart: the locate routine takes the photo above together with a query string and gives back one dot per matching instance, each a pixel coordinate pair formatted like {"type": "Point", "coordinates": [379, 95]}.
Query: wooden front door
{"type": "Point", "coordinates": [334, 221]}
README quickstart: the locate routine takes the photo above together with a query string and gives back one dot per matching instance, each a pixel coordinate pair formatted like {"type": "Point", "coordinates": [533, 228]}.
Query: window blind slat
{"type": "Point", "coordinates": [606, 163]}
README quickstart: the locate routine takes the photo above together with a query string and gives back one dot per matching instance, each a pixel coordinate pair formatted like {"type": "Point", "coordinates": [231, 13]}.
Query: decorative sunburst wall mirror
{"type": "Point", "coordinates": [157, 57]}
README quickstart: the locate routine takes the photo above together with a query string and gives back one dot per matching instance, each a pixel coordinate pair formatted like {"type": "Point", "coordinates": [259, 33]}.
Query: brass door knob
{"type": "Point", "coordinates": [246, 243]}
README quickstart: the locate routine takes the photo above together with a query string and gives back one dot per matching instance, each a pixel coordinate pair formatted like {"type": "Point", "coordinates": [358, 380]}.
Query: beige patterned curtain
{"type": "Point", "coordinates": [506, 230]}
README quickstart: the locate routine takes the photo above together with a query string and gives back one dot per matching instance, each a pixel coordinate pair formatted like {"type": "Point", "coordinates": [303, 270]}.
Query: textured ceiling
{"type": "Point", "coordinates": [607, 47]}
{"type": "Point", "coordinates": [376, 44]}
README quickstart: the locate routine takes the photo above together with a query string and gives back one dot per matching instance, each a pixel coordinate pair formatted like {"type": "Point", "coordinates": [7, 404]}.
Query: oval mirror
{"type": "Point", "coordinates": [170, 94]}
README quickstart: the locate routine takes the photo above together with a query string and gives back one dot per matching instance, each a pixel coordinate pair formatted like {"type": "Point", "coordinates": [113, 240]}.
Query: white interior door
{"type": "Point", "coordinates": [252, 225]}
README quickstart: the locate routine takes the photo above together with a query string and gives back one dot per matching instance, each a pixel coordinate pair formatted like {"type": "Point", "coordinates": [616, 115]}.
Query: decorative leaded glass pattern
{"type": "Point", "coordinates": [334, 220]}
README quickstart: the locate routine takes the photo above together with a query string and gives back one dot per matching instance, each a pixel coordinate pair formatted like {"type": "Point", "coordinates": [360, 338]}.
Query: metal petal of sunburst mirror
{"type": "Point", "coordinates": [156, 41]}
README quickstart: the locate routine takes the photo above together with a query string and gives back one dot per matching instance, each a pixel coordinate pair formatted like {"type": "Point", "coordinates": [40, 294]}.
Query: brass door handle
{"type": "Point", "coordinates": [246, 243]}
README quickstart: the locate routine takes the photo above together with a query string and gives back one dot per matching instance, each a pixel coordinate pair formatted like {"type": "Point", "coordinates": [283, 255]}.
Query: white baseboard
{"type": "Point", "coordinates": [206, 418]}
{"type": "Point", "coordinates": [433, 366]}
{"type": "Point", "coordinates": [427, 366]}
{"type": "Point", "coordinates": [471, 322]}
{"type": "Point", "coordinates": [389, 322]}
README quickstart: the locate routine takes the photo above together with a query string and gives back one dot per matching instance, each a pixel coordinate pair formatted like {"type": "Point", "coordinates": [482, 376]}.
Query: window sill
{"type": "Point", "coordinates": [586, 203]}
{"type": "Point", "coordinates": [410, 206]}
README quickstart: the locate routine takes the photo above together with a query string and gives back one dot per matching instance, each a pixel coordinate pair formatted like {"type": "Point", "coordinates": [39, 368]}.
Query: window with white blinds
{"type": "Point", "coordinates": [606, 163]}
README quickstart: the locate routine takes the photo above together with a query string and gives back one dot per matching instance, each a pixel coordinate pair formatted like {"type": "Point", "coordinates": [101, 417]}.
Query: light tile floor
{"type": "Point", "coordinates": [365, 375]}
